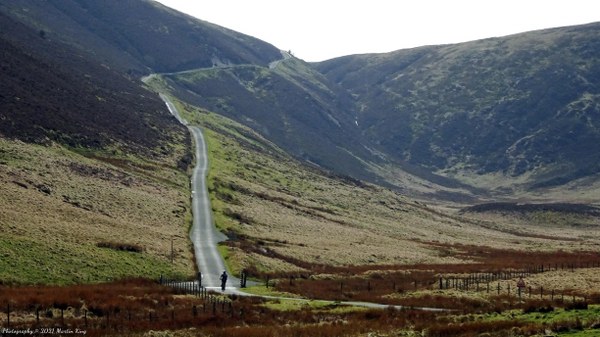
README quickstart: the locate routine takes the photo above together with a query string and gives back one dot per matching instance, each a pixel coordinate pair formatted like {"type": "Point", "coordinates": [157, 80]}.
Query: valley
{"type": "Point", "coordinates": [436, 177]}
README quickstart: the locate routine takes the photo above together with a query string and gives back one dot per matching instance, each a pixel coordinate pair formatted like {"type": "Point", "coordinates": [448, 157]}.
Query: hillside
{"type": "Point", "coordinates": [283, 215]}
{"type": "Point", "coordinates": [51, 93]}
{"type": "Point", "coordinates": [290, 104]}
{"type": "Point", "coordinates": [505, 114]}
{"type": "Point", "coordinates": [93, 169]}
{"type": "Point", "coordinates": [139, 36]}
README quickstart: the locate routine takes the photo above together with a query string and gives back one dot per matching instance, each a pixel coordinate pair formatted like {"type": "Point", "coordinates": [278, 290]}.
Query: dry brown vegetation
{"type": "Point", "coordinates": [139, 307]}
{"type": "Point", "coordinates": [59, 209]}
{"type": "Point", "coordinates": [468, 286]}
{"type": "Point", "coordinates": [284, 216]}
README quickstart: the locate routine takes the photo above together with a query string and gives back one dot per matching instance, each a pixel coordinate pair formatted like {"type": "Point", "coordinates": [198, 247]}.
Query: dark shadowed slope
{"type": "Point", "coordinates": [525, 106]}
{"type": "Point", "coordinates": [49, 92]}
{"type": "Point", "coordinates": [140, 35]}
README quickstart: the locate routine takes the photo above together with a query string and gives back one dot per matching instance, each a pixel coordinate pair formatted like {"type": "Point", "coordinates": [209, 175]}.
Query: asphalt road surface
{"type": "Point", "coordinates": [204, 235]}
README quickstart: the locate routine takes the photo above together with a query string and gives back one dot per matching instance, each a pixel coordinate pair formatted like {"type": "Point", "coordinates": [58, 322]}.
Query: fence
{"type": "Point", "coordinates": [475, 280]}
{"type": "Point", "coordinates": [166, 312]}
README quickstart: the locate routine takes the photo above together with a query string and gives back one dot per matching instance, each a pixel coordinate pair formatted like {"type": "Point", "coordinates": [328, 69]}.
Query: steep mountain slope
{"type": "Point", "coordinates": [523, 108]}
{"type": "Point", "coordinates": [139, 36]}
{"type": "Point", "coordinates": [50, 92]}
{"type": "Point", "coordinates": [290, 103]}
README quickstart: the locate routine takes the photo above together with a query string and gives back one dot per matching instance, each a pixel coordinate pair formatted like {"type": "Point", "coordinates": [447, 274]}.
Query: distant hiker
{"type": "Point", "coordinates": [223, 280]}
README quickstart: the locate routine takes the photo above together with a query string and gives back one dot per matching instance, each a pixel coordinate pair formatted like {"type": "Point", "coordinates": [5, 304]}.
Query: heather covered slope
{"type": "Point", "coordinates": [290, 104]}
{"type": "Point", "coordinates": [50, 92]}
{"type": "Point", "coordinates": [500, 112]}
{"type": "Point", "coordinates": [139, 36]}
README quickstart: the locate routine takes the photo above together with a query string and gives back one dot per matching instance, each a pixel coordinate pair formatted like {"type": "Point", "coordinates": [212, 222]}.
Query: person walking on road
{"type": "Point", "coordinates": [223, 280]}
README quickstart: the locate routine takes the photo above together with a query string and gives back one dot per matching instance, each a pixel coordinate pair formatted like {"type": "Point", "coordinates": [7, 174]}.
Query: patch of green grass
{"type": "Point", "coordinates": [262, 290]}
{"type": "Point", "coordinates": [287, 304]}
{"type": "Point", "coordinates": [36, 261]}
{"type": "Point", "coordinates": [584, 333]}
{"type": "Point", "coordinates": [558, 317]}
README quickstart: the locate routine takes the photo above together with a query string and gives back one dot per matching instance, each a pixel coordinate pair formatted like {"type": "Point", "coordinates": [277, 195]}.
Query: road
{"type": "Point", "coordinates": [284, 54]}
{"type": "Point", "coordinates": [204, 235]}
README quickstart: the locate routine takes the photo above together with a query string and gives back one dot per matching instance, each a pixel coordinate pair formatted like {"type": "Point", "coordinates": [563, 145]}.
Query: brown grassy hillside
{"type": "Point", "coordinates": [283, 215]}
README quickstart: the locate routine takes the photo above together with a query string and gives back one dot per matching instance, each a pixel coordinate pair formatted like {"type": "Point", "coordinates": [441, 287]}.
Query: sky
{"type": "Point", "coordinates": [316, 30]}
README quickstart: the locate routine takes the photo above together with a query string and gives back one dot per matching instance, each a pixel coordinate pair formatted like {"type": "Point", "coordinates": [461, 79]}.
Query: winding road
{"type": "Point", "coordinates": [204, 235]}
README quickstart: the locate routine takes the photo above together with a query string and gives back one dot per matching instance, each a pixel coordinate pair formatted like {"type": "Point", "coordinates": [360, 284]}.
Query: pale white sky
{"type": "Point", "coordinates": [316, 30]}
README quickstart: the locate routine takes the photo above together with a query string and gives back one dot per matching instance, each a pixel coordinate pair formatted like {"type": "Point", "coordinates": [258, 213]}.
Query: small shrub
{"type": "Point", "coordinates": [125, 247]}
{"type": "Point", "coordinates": [535, 308]}
{"type": "Point", "coordinates": [577, 305]}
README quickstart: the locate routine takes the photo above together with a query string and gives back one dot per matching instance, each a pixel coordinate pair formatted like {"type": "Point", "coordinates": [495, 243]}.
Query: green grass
{"type": "Point", "coordinates": [584, 333]}
{"type": "Point", "coordinates": [314, 306]}
{"type": "Point", "coordinates": [557, 318]}
{"type": "Point", "coordinates": [36, 261]}
{"type": "Point", "coordinates": [262, 290]}
{"type": "Point", "coordinates": [90, 197]}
